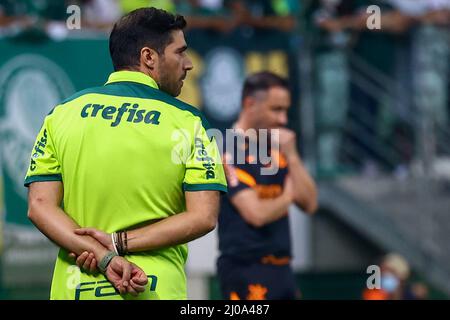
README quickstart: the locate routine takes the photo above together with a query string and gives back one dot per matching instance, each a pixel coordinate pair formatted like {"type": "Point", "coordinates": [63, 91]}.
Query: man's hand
{"type": "Point", "coordinates": [86, 261]}
{"type": "Point", "coordinates": [287, 142]}
{"type": "Point", "coordinates": [305, 190]}
{"type": "Point", "coordinates": [125, 276]}
{"type": "Point", "coordinates": [138, 279]}
{"type": "Point", "coordinates": [102, 237]}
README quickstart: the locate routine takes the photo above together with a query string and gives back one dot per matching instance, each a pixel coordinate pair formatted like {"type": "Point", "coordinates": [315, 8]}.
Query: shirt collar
{"type": "Point", "coordinates": [132, 76]}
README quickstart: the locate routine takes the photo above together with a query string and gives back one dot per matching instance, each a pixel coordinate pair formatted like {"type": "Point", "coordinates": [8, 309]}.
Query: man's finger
{"type": "Point", "coordinates": [132, 291]}
{"type": "Point", "coordinates": [87, 262]}
{"type": "Point", "coordinates": [122, 289]}
{"type": "Point", "coordinates": [93, 265]}
{"type": "Point", "coordinates": [126, 274]}
{"type": "Point", "coordinates": [137, 287]}
{"type": "Point", "coordinates": [72, 256]}
{"type": "Point", "coordinates": [86, 231]}
{"type": "Point", "coordinates": [81, 258]}
{"type": "Point", "coordinates": [140, 279]}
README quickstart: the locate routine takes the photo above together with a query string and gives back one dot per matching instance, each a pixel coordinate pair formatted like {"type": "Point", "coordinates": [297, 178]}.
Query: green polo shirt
{"type": "Point", "coordinates": [126, 152]}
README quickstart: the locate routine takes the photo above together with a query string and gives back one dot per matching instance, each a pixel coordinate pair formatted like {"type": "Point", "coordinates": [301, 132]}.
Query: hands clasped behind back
{"type": "Point", "coordinates": [125, 276]}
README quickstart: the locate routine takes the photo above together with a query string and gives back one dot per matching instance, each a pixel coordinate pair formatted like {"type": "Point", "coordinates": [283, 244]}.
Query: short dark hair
{"type": "Point", "coordinates": [262, 81]}
{"type": "Point", "coordinates": [144, 27]}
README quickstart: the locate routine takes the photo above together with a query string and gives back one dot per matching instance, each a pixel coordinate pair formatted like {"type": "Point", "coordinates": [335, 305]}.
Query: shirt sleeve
{"type": "Point", "coordinates": [238, 179]}
{"type": "Point", "coordinates": [44, 165]}
{"type": "Point", "coordinates": [204, 169]}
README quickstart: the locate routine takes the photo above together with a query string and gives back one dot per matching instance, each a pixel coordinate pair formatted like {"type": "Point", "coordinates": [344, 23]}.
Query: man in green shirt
{"type": "Point", "coordinates": [131, 160]}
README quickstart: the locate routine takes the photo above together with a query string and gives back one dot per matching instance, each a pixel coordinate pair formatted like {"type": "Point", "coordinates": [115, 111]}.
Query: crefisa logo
{"type": "Point", "coordinates": [30, 86]}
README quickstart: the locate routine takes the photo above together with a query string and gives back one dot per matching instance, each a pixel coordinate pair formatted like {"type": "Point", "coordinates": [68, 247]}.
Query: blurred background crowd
{"type": "Point", "coordinates": [371, 108]}
{"type": "Point", "coordinates": [378, 80]}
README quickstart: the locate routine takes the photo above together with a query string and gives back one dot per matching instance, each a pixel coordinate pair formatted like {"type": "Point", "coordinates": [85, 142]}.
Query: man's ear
{"type": "Point", "coordinates": [149, 57]}
{"type": "Point", "coordinates": [248, 102]}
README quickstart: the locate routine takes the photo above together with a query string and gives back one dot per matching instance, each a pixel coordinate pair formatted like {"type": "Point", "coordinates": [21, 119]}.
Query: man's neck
{"type": "Point", "coordinates": [147, 72]}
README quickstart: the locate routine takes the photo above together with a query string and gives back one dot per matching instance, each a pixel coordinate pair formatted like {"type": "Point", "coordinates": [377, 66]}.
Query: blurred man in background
{"type": "Point", "coordinates": [254, 238]}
